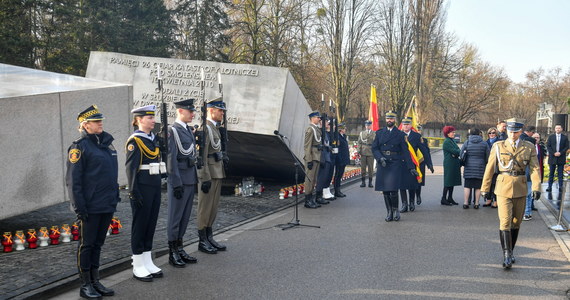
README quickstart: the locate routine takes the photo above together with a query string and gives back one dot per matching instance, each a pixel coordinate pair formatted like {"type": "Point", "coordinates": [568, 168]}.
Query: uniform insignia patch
{"type": "Point", "coordinates": [74, 155]}
{"type": "Point", "coordinates": [131, 147]}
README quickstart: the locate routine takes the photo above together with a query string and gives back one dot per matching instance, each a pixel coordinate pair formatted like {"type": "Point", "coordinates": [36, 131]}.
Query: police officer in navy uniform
{"type": "Point", "coordinates": [409, 181]}
{"type": "Point", "coordinates": [393, 160]}
{"type": "Point", "coordinates": [325, 165]}
{"type": "Point", "coordinates": [144, 171]}
{"type": "Point", "coordinates": [182, 180]}
{"type": "Point", "coordinates": [91, 180]}
{"type": "Point", "coordinates": [342, 159]}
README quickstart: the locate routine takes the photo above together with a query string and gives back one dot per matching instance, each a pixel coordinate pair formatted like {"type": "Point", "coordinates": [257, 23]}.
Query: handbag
{"type": "Point", "coordinates": [463, 154]}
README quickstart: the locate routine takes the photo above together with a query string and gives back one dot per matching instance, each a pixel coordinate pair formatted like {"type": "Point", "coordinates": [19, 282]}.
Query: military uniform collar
{"type": "Point", "coordinates": [213, 122]}
{"type": "Point", "coordinates": [184, 125]}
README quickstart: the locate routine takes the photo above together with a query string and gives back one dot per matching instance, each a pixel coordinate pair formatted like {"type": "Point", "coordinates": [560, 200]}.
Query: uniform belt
{"type": "Point", "coordinates": [213, 154]}
{"type": "Point", "coordinates": [513, 173]}
{"type": "Point", "coordinates": [144, 167]}
{"type": "Point", "coordinates": [390, 152]}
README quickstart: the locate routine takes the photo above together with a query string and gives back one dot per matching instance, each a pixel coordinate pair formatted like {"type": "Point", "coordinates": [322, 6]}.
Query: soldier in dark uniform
{"type": "Point", "coordinates": [312, 146]}
{"type": "Point", "coordinates": [144, 169]}
{"type": "Point", "coordinates": [342, 159]}
{"type": "Point", "coordinates": [182, 180]}
{"type": "Point", "coordinates": [510, 158]}
{"type": "Point", "coordinates": [324, 173]}
{"type": "Point", "coordinates": [391, 152]}
{"type": "Point", "coordinates": [327, 195]}
{"type": "Point", "coordinates": [409, 181]}
{"type": "Point", "coordinates": [424, 148]}
{"type": "Point", "coordinates": [365, 140]}
{"type": "Point", "coordinates": [210, 177]}
{"type": "Point", "coordinates": [91, 179]}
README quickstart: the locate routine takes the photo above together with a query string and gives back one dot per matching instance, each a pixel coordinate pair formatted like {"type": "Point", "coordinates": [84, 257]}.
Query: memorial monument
{"type": "Point", "coordinates": [260, 100]}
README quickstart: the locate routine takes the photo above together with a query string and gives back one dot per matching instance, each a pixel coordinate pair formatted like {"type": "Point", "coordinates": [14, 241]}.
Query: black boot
{"type": "Point", "coordinates": [404, 201]}
{"type": "Point", "coordinates": [319, 198]}
{"type": "Point", "coordinates": [412, 200]}
{"type": "Point", "coordinates": [210, 235]}
{"type": "Point", "coordinates": [338, 193]}
{"type": "Point", "coordinates": [309, 202]}
{"type": "Point", "coordinates": [101, 289]}
{"type": "Point", "coordinates": [204, 245]}
{"type": "Point", "coordinates": [363, 184]}
{"type": "Point", "coordinates": [185, 257]}
{"type": "Point", "coordinates": [173, 256]}
{"type": "Point", "coordinates": [514, 237]}
{"type": "Point", "coordinates": [419, 196]}
{"type": "Point", "coordinates": [370, 182]}
{"type": "Point", "coordinates": [444, 201]}
{"type": "Point", "coordinates": [506, 244]}
{"type": "Point", "coordinates": [87, 290]}
{"type": "Point", "coordinates": [389, 211]}
{"type": "Point", "coordinates": [450, 200]}
{"type": "Point", "coordinates": [394, 201]}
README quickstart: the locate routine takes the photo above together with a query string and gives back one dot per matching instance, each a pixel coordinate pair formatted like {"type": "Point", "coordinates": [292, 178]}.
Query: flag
{"type": "Point", "coordinates": [412, 114]}
{"type": "Point", "coordinates": [415, 160]}
{"type": "Point", "coordinates": [373, 112]}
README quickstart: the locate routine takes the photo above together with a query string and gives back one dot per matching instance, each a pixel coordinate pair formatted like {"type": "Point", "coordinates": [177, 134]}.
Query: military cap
{"type": "Point", "coordinates": [391, 114]}
{"type": "Point", "coordinates": [407, 120]}
{"type": "Point", "coordinates": [315, 114]}
{"type": "Point", "coordinates": [186, 104]}
{"type": "Point", "coordinates": [342, 125]}
{"type": "Point", "coordinates": [148, 110]}
{"type": "Point", "coordinates": [367, 122]}
{"type": "Point", "coordinates": [90, 114]}
{"type": "Point", "coordinates": [515, 124]}
{"type": "Point", "coordinates": [217, 103]}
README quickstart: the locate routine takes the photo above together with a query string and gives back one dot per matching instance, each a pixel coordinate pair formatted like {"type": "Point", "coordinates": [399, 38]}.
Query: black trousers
{"type": "Point", "coordinates": [93, 234]}
{"type": "Point", "coordinates": [338, 172]}
{"type": "Point", "coordinates": [144, 219]}
{"type": "Point", "coordinates": [560, 170]}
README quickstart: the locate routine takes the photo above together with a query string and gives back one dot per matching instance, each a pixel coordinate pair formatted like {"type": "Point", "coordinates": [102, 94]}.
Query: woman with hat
{"type": "Point", "coordinates": [451, 166]}
{"type": "Point", "coordinates": [91, 179]}
{"type": "Point", "coordinates": [144, 169]}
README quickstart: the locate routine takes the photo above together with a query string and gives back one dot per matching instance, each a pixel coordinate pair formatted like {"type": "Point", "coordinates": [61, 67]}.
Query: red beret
{"type": "Point", "coordinates": [447, 130]}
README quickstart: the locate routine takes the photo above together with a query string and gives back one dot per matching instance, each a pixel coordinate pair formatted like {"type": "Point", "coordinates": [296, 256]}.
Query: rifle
{"type": "Point", "coordinates": [323, 133]}
{"type": "Point", "coordinates": [201, 135]}
{"type": "Point", "coordinates": [334, 129]}
{"type": "Point", "coordinates": [224, 128]}
{"type": "Point", "coordinates": [163, 133]}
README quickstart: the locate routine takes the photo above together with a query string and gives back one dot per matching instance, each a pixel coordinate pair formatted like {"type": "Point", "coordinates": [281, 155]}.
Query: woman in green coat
{"type": "Point", "coordinates": [451, 166]}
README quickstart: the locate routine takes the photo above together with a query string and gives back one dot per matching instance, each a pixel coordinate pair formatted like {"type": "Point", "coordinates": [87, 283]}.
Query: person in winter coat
{"type": "Point", "coordinates": [476, 153]}
{"type": "Point", "coordinates": [451, 166]}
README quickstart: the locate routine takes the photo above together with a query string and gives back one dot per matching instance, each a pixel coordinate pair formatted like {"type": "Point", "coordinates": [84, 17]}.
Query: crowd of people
{"type": "Point", "coordinates": [92, 173]}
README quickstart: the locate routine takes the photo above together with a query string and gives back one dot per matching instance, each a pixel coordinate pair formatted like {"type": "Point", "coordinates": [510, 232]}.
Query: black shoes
{"type": "Point", "coordinates": [450, 200]}
{"type": "Point", "coordinates": [319, 198]}
{"type": "Point", "coordinates": [389, 211]}
{"type": "Point", "coordinates": [204, 244]}
{"type": "Point", "coordinates": [370, 182]}
{"type": "Point", "coordinates": [185, 257]}
{"type": "Point", "coordinates": [210, 235]}
{"type": "Point", "coordinates": [339, 194]}
{"type": "Point", "coordinates": [418, 199]}
{"type": "Point", "coordinates": [174, 258]}
{"type": "Point", "coordinates": [100, 288]}
{"type": "Point", "coordinates": [363, 184]}
{"type": "Point", "coordinates": [87, 290]}
{"type": "Point", "coordinates": [465, 206]}
{"type": "Point", "coordinates": [444, 202]}
{"type": "Point", "coordinates": [310, 202]}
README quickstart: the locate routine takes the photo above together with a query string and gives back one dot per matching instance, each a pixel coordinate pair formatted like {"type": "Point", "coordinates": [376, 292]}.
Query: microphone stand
{"type": "Point", "coordinates": [298, 165]}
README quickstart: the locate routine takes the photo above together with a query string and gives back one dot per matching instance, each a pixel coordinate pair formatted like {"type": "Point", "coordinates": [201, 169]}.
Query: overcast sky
{"type": "Point", "coordinates": [519, 36]}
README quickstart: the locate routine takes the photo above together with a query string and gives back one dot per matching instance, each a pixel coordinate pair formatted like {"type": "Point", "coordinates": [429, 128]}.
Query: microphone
{"type": "Point", "coordinates": [276, 132]}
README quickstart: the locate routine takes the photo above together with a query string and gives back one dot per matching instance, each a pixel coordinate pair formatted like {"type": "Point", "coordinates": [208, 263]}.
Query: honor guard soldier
{"type": "Point", "coordinates": [365, 141]}
{"type": "Point", "coordinates": [391, 151]}
{"type": "Point", "coordinates": [91, 179]}
{"type": "Point", "coordinates": [144, 172]}
{"type": "Point", "coordinates": [210, 177]}
{"type": "Point", "coordinates": [324, 173]}
{"type": "Point", "coordinates": [409, 181]}
{"type": "Point", "coordinates": [427, 162]}
{"type": "Point", "coordinates": [182, 180]}
{"type": "Point", "coordinates": [313, 147]}
{"type": "Point", "coordinates": [342, 159]}
{"type": "Point", "coordinates": [509, 158]}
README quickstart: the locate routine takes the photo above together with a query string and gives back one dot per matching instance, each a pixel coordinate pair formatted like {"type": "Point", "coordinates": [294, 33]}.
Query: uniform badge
{"type": "Point", "coordinates": [74, 155]}
{"type": "Point", "coordinates": [131, 147]}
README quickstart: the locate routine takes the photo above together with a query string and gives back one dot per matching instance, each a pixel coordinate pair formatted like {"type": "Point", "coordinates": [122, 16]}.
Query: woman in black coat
{"type": "Point", "coordinates": [476, 153]}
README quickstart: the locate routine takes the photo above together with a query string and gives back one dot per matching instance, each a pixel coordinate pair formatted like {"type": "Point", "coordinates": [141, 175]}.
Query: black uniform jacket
{"type": "Point", "coordinates": [92, 174]}
{"type": "Point", "coordinates": [143, 152]}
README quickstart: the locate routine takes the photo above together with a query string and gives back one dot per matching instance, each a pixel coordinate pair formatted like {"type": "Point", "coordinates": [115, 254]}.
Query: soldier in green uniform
{"type": "Point", "coordinates": [210, 177]}
{"type": "Point", "coordinates": [365, 140]}
{"type": "Point", "coordinates": [509, 158]}
{"type": "Point", "coordinates": [313, 138]}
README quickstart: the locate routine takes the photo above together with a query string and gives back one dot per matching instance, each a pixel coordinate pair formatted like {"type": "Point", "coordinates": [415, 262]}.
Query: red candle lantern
{"type": "Point", "coordinates": [32, 239]}
{"type": "Point", "coordinates": [54, 235]}
{"type": "Point", "coordinates": [115, 225]}
{"type": "Point", "coordinates": [75, 231]}
{"type": "Point", "coordinates": [7, 241]}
